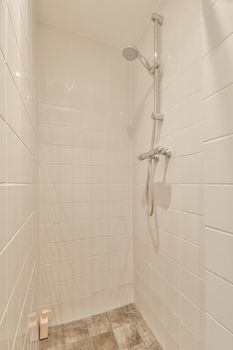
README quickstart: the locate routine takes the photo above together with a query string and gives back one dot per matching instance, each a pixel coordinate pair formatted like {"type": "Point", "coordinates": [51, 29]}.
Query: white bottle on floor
{"type": "Point", "coordinates": [33, 327]}
{"type": "Point", "coordinates": [44, 324]}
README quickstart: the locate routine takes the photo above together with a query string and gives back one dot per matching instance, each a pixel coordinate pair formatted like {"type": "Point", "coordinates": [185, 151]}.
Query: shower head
{"type": "Point", "coordinates": [131, 52]}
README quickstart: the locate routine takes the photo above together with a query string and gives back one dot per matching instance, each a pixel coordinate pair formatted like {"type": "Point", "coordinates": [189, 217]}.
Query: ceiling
{"type": "Point", "coordinates": [112, 22]}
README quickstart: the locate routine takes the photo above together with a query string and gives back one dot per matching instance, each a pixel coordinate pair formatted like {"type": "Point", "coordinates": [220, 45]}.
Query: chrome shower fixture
{"type": "Point", "coordinates": [157, 116]}
{"type": "Point", "coordinates": [157, 18]}
{"type": "Point", "coordinates": [131, 53]}
{"type": "Point", "coordinates": [157, 151]}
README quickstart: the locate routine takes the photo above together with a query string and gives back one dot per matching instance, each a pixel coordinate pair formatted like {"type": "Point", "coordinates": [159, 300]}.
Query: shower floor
{"type": "Point", "coordinates": [122, 328]}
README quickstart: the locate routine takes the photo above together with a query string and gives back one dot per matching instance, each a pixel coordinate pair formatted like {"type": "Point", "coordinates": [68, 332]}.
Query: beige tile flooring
{"type": "Point", "coordinates": [122, 328]}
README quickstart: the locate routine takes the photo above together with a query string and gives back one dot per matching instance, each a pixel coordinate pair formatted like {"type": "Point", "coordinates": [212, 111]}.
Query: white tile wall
{"type": "Point", "coordinates": [218, 173]}
{"type": "Point", "coordinates": [216, 335]}
{"type": "Point", "coordinates": [18, 152]}
{"type": "Point", "coordinates": [85, 243]}
{"type": "Point", "coordinates": [173, 270]}
{"type": "Point", "coordinates": [85, 174]}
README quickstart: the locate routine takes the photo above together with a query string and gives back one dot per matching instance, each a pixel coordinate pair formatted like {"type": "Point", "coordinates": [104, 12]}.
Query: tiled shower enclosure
{"type": "Point", "coordinates": [75, 236]}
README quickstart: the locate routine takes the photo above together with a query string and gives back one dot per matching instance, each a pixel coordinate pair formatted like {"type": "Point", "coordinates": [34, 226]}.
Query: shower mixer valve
{"type": "Point", "coordinates": [157, 116]}
{"type": "Point", "coordinates": [165, 151]}
{"type": "Point", "coordinates": [155, 153]}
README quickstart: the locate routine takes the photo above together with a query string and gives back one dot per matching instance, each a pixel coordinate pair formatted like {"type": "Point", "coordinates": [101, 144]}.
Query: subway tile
{"type": "Point", "coordinates": [99, 157]}
{"type": "Point", "coordinates": [172, 324]}
{"type": "Point", "coordinates": [3, 25]}
{"type": "Point", "coordinates": [169, 244]}
{"type": "Point", "coordinates": [171, 95]}
{"type": "Point", "coordinates": [18, 139]}
{"type": "Point", "coordinates": [216, 335]}
{"type": "Point", "coordinates": [14, 9]}
{"type": "Point", "coordinates": [187, 141]}
{"type": "Point", "coordinates": [65, 154]}
{"type": "Point", "coordinates": [171, 297]}
{"type": "Point", "coordinates": [99, 210]}
{"type": "Point", "coordinates": [81, 156]}
{"type": "Point", "coordinates": [219, 244]}
{"type": "Point", "coordinates": [119, 209]}
{"type": "Point", "coordinates": [13, 210]}
{"type": "Point", "coordinates": [219, 149]}
{"type": "Point", "coordinates": [191, 257]}
{"type": "Point", "coordinates": [14, 262]}
{"type": "Point", "coordinates": [191, 35]}
{"type": "Point", "coordinates": [120, 175]}
{"type": "Point", "coordinates": [99, 227]}
{"type": "Point", "coordinates": [119, 192]}
{"type": "Point", "coordinates": [4, 333]}
{"type": "Point", "coordinates": [218, 204]}
{"type": "Point", "coordinates": [192, 287]}
{"type": "Point", "coordinates": [184, 197]}
{"type": "Point", "coordinates": [2, 87]}
{"type": "Point", "coordinates": [218, 300]}
{"type": "Point", "coordinates": [191, 227]}
{"type": "Point", "coordinates": [12, 52]}
{"type": "Point", "coordinates": [216, 111]}
{"type": "Point", "coordinates": [170, 342]}
{"type": "Point", "coordinates": [190, 8]}
{"type": "Point", "coordinates": [170, 271]}
{"type": "Point", "coordinates": [2, 151]}
{"type": "Point", "coordinates": [219, 14]}
{"type": "Point", "coordinates": [4, 280]}
{"type": "Point", "coordinates": [55, 272]}
{"type": "Point", "coordinates": [189, 340]}
{"type": "Point", "coordinates": [82, 193]}
{"type": "Point", "coordinates": [216, 74]}
{"type": "Point", "coordinates": [83, 174]}
{"type": "Point", "coordinates": [118, 157]}
{"type": "Point", "coordinates": [186, 170]}
{"type": "Point", "coordinates": [48, 154]}
{"type": "Point", "coordinates": [13, 154]}
{"type": "Point", "coordinates": [186, 113]}
{"type": "Point", "coordinates": [207, 3]}
{"type": "Point", "coordinates": [99, 192]}
{"type": "Point", "coordinates": [120, 225]}
{"type": "Point", "coordinates": [191, 80]}
{"type": "Point", "coordinates": [192, 317]}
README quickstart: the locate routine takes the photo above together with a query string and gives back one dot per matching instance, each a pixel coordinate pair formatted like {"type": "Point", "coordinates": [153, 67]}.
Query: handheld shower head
{"type": "Point", "coordinates": [131, 52]}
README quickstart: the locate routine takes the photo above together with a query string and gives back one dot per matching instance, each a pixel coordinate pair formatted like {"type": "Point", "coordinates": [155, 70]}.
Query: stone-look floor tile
{"type": "Point", "coordinates": [66, 329]}
{"type": "Point", "coordinates": [55, 341]}
{"type": "Point", "coordinates": [85, 344]}
{"type": "Point", "coordinates": [127, 336]}
{"type": "Point", "coordinates": [155, 346]}
{"type": "Point", "coordinates": [104, 341]}
{"type": "Point", "coordinates": [43, 345]}
{"type": "Point", "coordinates": [96, 333]}
{"type": "Point", "coordinates": [98, 324]}
{"type": "Point", "coordinates": [47, 345]}
{"type": "Point", "coordinates": [58, 330]}
{"type": "Point", "coordinates": [146, 334]}
{"type": "Point", "coordinates": [118, 318]}
{"type": "Point", "coordinates": [132, 313]}
{"type": "Point", "coordinates": [130, 308]}
{"type": "Point", "coordinates": [56, 337]}
{"type": "Point", "coordinates": [77, 331]}
{"type": "Point", "coordinates": [140, 347]}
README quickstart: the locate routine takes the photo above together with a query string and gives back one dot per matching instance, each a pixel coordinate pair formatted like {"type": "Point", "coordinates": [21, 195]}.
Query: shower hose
{"type": "Point", "coordinates": [149, 188]}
